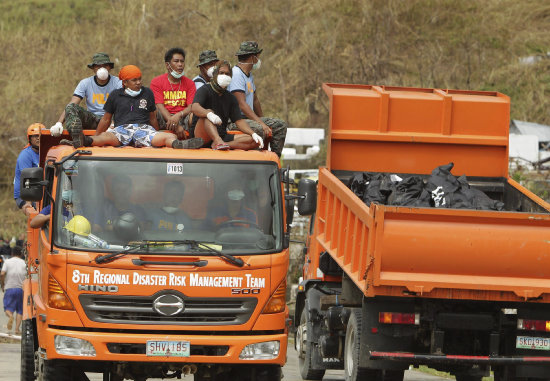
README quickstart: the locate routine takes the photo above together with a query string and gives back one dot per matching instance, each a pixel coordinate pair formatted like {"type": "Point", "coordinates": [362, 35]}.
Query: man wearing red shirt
{"type": "Point", "coordinates": [173, 93]}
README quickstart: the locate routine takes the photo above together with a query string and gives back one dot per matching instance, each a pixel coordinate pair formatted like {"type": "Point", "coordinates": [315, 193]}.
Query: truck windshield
{"type": "Point", "coordinates": [107, 205]}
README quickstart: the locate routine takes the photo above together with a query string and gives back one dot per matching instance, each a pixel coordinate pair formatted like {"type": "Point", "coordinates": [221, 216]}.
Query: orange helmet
{"type": "Point", "coordinates": [34, 129]}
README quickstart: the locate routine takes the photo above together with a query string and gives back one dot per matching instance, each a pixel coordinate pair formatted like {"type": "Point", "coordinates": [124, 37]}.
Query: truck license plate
{"type": "Point", "coordinates": [168, 348]}
{"type": "Point", "coordinates": [526, 342]}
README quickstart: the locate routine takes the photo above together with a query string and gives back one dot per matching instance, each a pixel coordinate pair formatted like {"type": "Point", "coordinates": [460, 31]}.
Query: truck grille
{"type": "Point", "coordinates": [140, 310]}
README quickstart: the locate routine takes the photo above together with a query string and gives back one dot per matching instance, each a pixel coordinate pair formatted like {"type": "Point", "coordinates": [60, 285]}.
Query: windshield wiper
{"type": "Point", "coordinates": [193, 245]}
{"type": "Point", "coordinates": [205, 247]}
{"type": "Point", "coordinates": [112, 256]}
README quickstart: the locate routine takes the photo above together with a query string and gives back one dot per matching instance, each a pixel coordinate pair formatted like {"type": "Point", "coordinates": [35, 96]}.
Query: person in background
{"type": "Point", "coordinates": [68, 198]}
{"type": "Point", "coordinates": [133, 110]}
{"type": "Point", "coordinates": [96, 90]}
{"type": "Point", "coordinates": [28, 158]}
{"type": "Point", "coordinates": [12, 276]}
{"type": "Point", "coordinates": [234, 208]}
{"type": "Point", "coordinates": [174, 92]}
{"type": "Point", "coordinates": [169, 216]}
{"type": "Point", "coordinates": [213, 106]}
{"type": "Point", "coordinates": [207, 63]}
{"type": "Point", "coordinates": [243, 87]}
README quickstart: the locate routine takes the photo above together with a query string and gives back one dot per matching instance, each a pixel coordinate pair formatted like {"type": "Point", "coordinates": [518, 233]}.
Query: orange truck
{"type": "Point", "coordinates": [385, 287]}
{"type": "Point", "coordinates": [155, 262]}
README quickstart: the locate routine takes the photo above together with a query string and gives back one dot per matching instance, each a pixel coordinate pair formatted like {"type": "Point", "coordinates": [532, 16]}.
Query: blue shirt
{"type": "Point", "coordinates": [199, 81]}
{"type": "Point", "coordinates": [243, 83]}
{"type": "Point", "coordinates": [161, 220]}
{"type": "Point", "coordinates": [96, 95]}
{"type": "Point", "coordinates": [28, 158]}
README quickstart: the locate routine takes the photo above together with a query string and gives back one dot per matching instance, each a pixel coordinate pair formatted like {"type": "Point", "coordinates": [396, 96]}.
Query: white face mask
{"type": "Point", "coordinates": [170, 209]}
{"type": "Point", "coordinates": [175, 74]}
{"type": "Point", "coordinates": [131, 92]}
{"type": "Point", "coordinates": [210, 71]}
{"type": "Point", "coordinates": [102, 73]}
{"type": "Point", "coordinates": [257, 65]}
{"type": "Point", "coordinates": [224, 80]}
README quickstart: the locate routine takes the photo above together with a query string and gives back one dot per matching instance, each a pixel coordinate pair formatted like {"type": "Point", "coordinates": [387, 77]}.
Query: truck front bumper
{"type": "Point", "coordinates": [130, 347]}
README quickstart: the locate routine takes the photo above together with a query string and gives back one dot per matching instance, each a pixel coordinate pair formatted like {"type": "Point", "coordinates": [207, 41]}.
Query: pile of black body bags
{"type": "Point", "coordinates": [441, 190]}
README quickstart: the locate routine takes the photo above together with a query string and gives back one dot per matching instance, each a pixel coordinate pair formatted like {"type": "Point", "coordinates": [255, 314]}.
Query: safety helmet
{"type": "Point", "coordinates": [34, 129]}
{"type": "Point", "coordinates": [79, 225]}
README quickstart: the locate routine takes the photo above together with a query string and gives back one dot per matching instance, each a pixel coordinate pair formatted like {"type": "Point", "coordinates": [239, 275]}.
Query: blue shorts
{"type": "Point", "coordinates": [13, 300]}
{"type": "Point", "coordinates": [139, 134]}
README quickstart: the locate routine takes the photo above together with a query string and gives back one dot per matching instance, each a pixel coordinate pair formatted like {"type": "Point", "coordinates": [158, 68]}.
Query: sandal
{"type": "Point", "coordinates": [221, 147]}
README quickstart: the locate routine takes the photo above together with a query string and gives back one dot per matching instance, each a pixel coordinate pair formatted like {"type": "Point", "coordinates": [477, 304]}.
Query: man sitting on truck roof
{"type": "Point", "coordinates": [173, 92]}
{"type": "Point", "coordinates": [243, 87]}
{"type": "Point", "coordinates": [133, 110]}
{"type": "Point", "coordinates": [96, 90]}
{"type": "Point", "coordinates": [213, 106]}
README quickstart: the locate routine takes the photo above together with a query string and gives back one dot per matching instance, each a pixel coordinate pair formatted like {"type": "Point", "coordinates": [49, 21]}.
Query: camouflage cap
{"type": "Point", "coordinates": [207, 56]}
{"type": "Point", "coordinates": [248, 47]}
{"type": "Point", "coordinates": [100, 59]}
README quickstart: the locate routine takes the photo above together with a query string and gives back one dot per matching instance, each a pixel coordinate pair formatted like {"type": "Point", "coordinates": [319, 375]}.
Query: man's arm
{"type": "Point", "coordinates": [104, 123]}
{"type": "Point", "coordinates": [153, 120]}
{"type": "Point", "coordinates": [39, 220]}
{"type": "Point", "coordinates": [257, 106]}
{"type": "Point", "coordinates": [244, 127]}
{"type": "Point", "coordinates": [2, 278]}
{"type": "Point", "coordinates": [248, 112]}
{"type": "Point", "coordinates": [198, 110]}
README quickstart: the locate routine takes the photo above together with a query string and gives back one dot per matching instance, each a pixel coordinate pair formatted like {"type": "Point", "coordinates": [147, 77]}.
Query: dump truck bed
{"type": "Point", "coordinates": [432, 252]}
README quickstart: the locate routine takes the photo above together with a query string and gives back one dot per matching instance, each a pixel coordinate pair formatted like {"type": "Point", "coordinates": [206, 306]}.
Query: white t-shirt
{"type": "Point", "coordinates": [16, 272]}
{"type": "Point", "coordinates": [96, 95]}
{"type": "Point", "coordinates": [243, 83]}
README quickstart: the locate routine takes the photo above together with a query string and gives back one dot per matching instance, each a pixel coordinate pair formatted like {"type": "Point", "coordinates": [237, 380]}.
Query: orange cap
{"type": "Point", "coordinates": [129, 72]}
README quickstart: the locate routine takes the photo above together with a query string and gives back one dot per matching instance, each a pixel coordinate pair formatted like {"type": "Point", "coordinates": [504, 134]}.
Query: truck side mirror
{"type": "Point", "coordinates": [307, 191]}
{"type": "Point", "coordinates": [32, 181]}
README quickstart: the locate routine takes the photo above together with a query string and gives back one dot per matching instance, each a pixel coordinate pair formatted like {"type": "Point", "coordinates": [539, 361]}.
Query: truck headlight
{"type": "Point", "coordinates": [71, 346]}
{"type": "Point", "coordinates": [260, 351]}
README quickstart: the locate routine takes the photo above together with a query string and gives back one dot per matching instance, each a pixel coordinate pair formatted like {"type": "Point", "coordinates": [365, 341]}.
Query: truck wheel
{"type": "Point", "coordinates": [352, 351]}
{"type": "Point", "coordinates": [304, 348]}
{"type": "Point", "coordinates": [27, 351]}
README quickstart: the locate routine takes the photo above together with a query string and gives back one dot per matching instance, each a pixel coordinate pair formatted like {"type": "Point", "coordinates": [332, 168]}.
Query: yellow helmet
{"type": "Point", "coordinates": [79, 225]}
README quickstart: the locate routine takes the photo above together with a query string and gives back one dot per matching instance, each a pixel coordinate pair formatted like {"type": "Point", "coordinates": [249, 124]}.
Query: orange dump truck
{"type": "Point", "coordinates": [461, 290]}
{"type": "Point", "coordinates": [155, 262]}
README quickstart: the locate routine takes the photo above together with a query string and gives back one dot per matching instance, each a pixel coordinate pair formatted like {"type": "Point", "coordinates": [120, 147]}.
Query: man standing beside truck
{"type": "Point", "coordinates": [12, 276]}
{"type": "Point", "coordinates": [96, 90]}
{"type": "Point", "coordinates": [243, 87]}
{"type": "Point", "coordinates": [28, 158]}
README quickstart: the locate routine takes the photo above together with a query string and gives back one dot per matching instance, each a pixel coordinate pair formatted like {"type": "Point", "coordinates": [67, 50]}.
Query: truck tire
{"type": "Point", "coordinates": [352, 351]}
{"type": "Point", "coordinates": [304, 348]}
{"type": "Point", "coordinates": [27, 351]}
